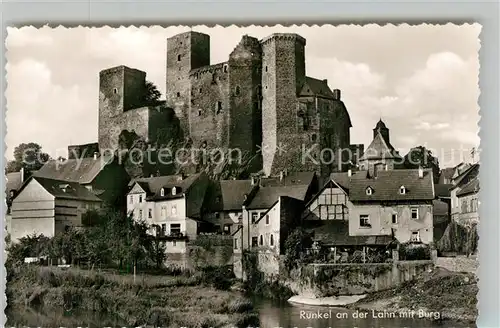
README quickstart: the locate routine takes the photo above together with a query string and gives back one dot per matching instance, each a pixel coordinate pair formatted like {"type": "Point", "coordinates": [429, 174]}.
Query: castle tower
{"type": "Point", "coordinates": [283, 75]}
{"type": "Point", "coordinates": [185, 51]}
{"type": "Point", "coordinates": [120, 89]}
{"type": "Point", "coordinates": [245, 97]}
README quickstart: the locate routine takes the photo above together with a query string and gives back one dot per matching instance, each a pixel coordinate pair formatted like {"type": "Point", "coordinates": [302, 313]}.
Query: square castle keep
{"type": "Point", "coordinates": [259, 100]}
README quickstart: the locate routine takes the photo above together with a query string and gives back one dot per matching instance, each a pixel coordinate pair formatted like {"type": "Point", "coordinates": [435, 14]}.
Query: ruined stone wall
{"type": "Point", "coordinates": [185, 52]}
{"type": "Point", "coordinates": [281, 77]}
{"type": "Point", "coordinates": [209, 113]}
{"type": "Point", "coordinates": [245, 74]}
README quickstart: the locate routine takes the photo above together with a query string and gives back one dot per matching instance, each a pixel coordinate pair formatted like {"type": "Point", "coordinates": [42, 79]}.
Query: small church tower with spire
{"type": "Point", "coordinates": [380, 154]}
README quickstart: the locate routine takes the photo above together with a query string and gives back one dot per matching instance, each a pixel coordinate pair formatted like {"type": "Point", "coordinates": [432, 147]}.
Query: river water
{"type": "Point", "coordinates": [272, 315]}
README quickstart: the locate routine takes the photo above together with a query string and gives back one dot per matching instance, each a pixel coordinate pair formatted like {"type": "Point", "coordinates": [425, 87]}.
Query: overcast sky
{"type": "Point", "coordinates": [421, 80]}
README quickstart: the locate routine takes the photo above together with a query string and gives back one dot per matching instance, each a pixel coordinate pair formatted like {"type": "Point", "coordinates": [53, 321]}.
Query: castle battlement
{"type": "Point", "coordinates": [283, 37]}
{"type": "Point", "coordinates": [208, 69]}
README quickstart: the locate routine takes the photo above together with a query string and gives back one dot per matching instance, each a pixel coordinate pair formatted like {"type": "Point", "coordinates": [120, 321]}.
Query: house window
{"type": "Point", "coordinates": [131, 199]}
{"type": "Point", "coordinates": [173, 211]}
{"type": "Point", "coordinates": [163, 212]}
{"type": "Point", "coordinates": [415, 236]}
{"type": "Point", "coordinates": [394, 219]}
{"type": "Point", "coordinates": [261, 240]}
{"type": "Point", "coordinates": [219, 107]}
{"type": "Point", "coordinates": [174, 191]}
{"type": "Point", "coordinates": [255, 216]}
{"type": "Point", "coordinates": [402, 189]}
{"type": "Point", "coordinates": [254, 242]}
{"type": "Point", "coordinates": [227, 228]}
{"type": "Point", "coordinates": [237, 90]}
{"type": "Point", "coordinates": [235, 243]}
{"type": "Point", "coordinates": [140, 214]}
{"type": "Point", "coordinates": [163, 229]}
{"type": "Point", "coordinates": [314, 137]}
{"type": "Point", "coordinates": [175, 228]}
{"type": "Point", "coordinates": [162, 192]}
{"type": "Point", "coordinates": [364, 221]}
{"type": "Point", "coordinates": [369, 191]}
{"type": "Point", "coordinates": [150, 213]}
{"type": "Point", "coordinates": [414, 213]}
{"type": "Point", "coordinates": [178, 57]}
{"type": "Point", "coordinates": [267, 219]}
{"type": "Point", "coordinates": [271, 240]}
{"type": "Point", "coordinates": [140, 198]}
{"type": "Point", "coordinates": [217, 215]}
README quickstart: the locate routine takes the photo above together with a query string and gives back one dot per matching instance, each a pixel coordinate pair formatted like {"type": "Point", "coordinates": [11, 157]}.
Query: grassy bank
{"type": "Point", "coordinates": [451, 294]}
{"type": "Point", "coordinates": [194, 300]}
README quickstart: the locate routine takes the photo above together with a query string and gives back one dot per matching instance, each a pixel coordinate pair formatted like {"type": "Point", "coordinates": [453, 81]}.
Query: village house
{"type": "Point", "coordinates": [104, 176]}
{"type": "Point", "coordinates": [14, 183]}
{"type": "Point", "coordinates": [393, 203]}
{"type": "Point", "coordinates": [48, 206]}
{"type": "Point", "coordinates": [460, 181]}
{"type": "Point", "coordinates": [468, 203]}
{"type": "Point", "coordinates": [171, 205]}
{"type": "Point", "coordinates": [267, 194]}
{"type": "Point", "coordinates": [447, 175]}
{"type": "Point", "coordinates": [223, 204]}
{"type": "Point", "coordinates": [380, 154]}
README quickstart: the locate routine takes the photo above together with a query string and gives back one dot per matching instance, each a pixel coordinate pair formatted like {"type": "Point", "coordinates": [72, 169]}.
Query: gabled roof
{"type": "Point", "coordinates": [315, 87]}
{"type": "Point", "coordinates": [63, 189]}
{"type": "Point", "coordinates": [470, 188]}
{"type": "Point", "coordinates": [442, 190]}
{"type": "Point", "coordinates": [265, 197]}
{"type": "Point", "coordinates": [233, 194]}
{"type": "Point", "coordinates": [329, 184]}
{"type": "Point", "coordinates": [336, 233]}
{"type": "Point", "coordinates": [473, 169]}
{"type": "Point", "coordinates": [153, 185]}
{"type": "Point", "coordinates": [343, 179]}
{"type": "Point", "coordinates": [386, 186]}
{"type": "Point", "coordinates": [82, 170]}
{"type": "Point", "coordinates": [379, 149]}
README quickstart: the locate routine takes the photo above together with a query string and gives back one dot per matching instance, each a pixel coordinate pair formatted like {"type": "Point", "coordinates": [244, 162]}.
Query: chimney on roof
{"type": "Point", "coordinates": [253, 180]}
{"type": "Point", "coordinates": [95, 155]}
{"type": "Point", "coordinates": [281, 175]}
{"type": "Point", "coordinates": [21, 172]}
{"type": "Point", "coordinates": [349, 173]}
{"type": "Point", "coordinates": [420, 172]}
{"type": "Point", "coordinates": [336, 94]}
{"type": "Point", "coordinates": [180, 178]}
{"type": "Point", "coordinates": [325, 81]}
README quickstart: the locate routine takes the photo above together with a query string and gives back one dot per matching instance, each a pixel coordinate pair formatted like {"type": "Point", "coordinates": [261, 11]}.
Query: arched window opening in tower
{"type": "Point", "coordinates": [237, 91]}
{"type": "Point", "coordinates": [178, 57]}
{"type": "Point", "coordinates": [219, 107]}
{"type": "Point", "coordinates": [178, 94]}
{"type": "Point", "coordinates": [115, 91]}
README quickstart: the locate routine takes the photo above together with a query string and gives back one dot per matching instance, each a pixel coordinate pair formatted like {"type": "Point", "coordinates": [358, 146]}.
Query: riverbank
{"type": "Point", "coordinates": [194, 300]}
{"type": "Point", "coordinates": [451, 294]}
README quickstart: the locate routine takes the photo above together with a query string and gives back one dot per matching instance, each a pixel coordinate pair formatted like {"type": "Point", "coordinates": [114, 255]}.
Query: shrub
{"type": "Point", "coordinates": [414, 252]}
{"type": "Point", "coordinates": [218, 277]}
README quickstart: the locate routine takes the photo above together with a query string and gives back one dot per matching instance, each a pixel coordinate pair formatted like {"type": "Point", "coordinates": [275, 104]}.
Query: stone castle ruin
{"type": "Point", "coordinates": [259, 101]}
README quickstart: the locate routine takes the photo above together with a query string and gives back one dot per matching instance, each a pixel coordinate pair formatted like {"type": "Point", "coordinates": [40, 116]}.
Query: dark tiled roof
{"type": "Point", "coordinates": [63, 189]}
{"type": "Point", "coordinates": [473, 169]}
{"type": "Point", "coordinates": [442, 190]}
{"type": "Point", "coordinates": [343, 179]}
{"type": "Point", "coordinates": [318, 87]}
{"type": "Point", "coordinates": [379, 149]}
{"type": "Point", "coordinates": [336, 233]}
{"type": "Point", "coordinates": [293, 178]}
{"type": "Point", "coordinates": [83, 170]}
{"type": "Point", "coordinates": [469, 188]}
{"type": "Point", "coordinates": [152, 186]}
{"type": "Point", "coordinates": [387, 184]}
{"type": "Point", "coordinates": [265, 197]}
{"type": "Point", "coordinates": [233, 193]}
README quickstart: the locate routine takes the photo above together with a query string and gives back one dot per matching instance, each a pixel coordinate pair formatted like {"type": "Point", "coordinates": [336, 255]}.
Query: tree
{"type": "Point", "coordinates": [153, 95]}
{"type": "Point", "coordinates": [421, 156]}
{"type": "Point", "coordinates": [28, 156]}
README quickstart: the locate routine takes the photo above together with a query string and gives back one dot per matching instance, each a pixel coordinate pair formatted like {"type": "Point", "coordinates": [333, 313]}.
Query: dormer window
{"type": "Point", "coordinates": [174, 191]}
{"type": "Point", "coordinates": [402, 190]}
{"type": "Point", "coordinates": [369, 191]}
{"type": "Point", "coordinates": [162, 192]}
